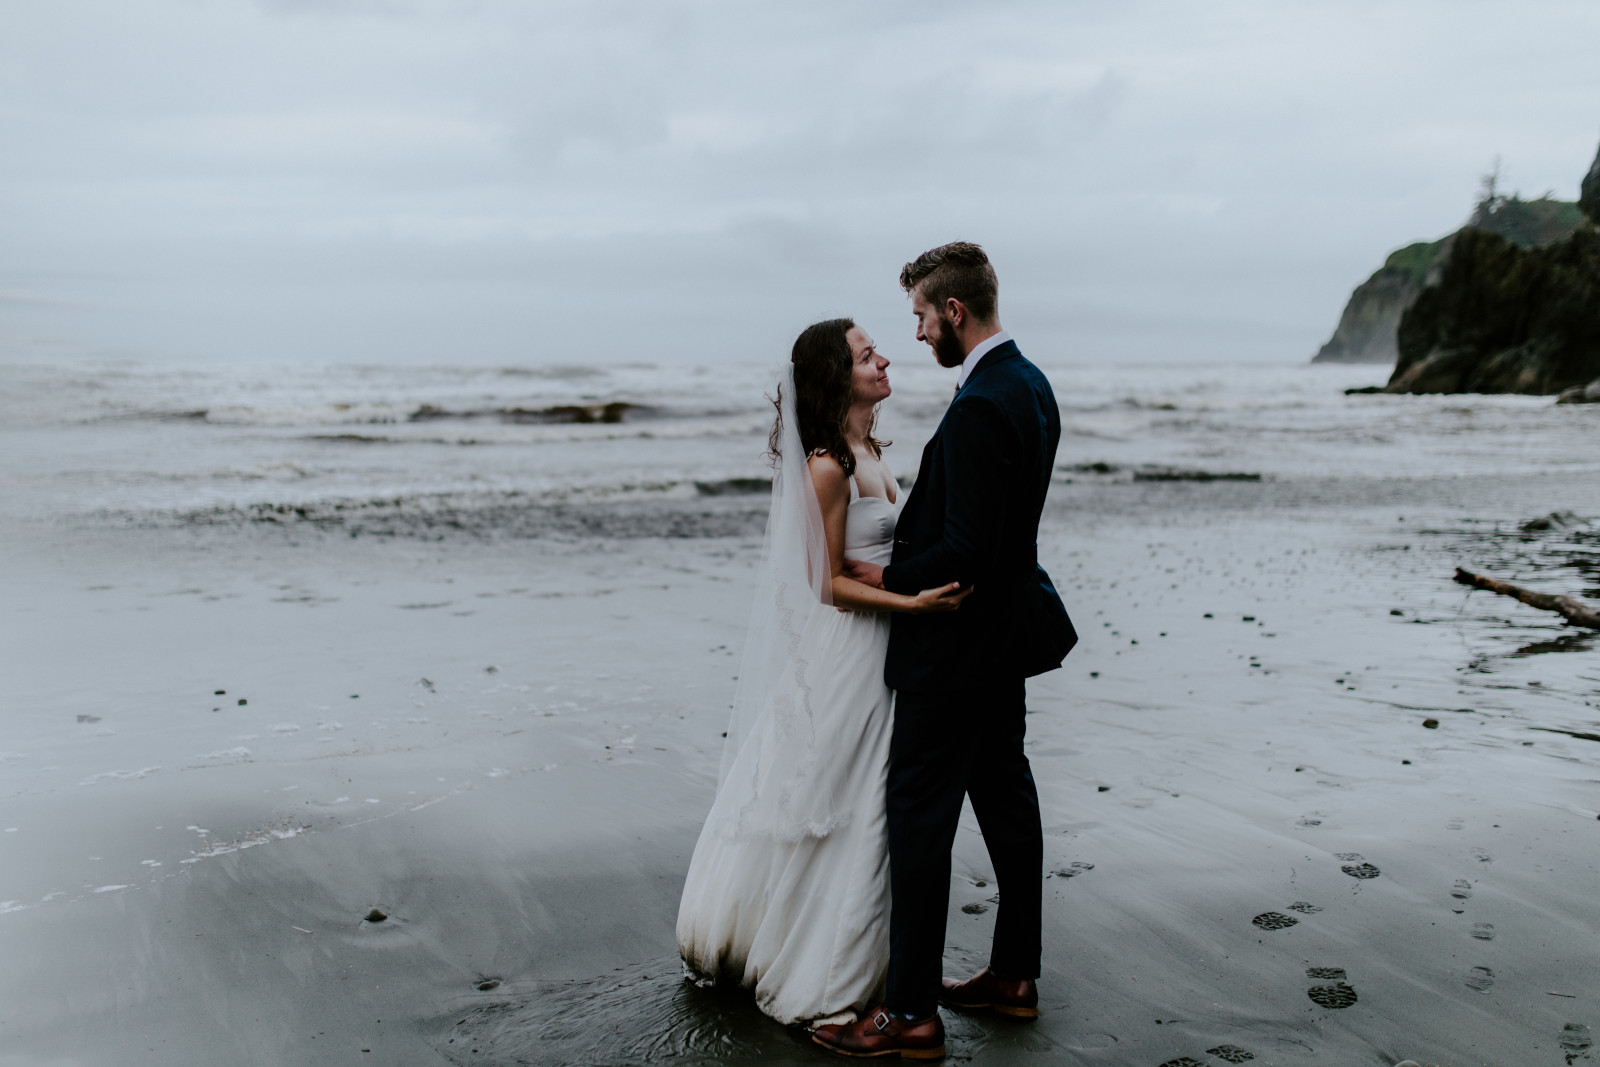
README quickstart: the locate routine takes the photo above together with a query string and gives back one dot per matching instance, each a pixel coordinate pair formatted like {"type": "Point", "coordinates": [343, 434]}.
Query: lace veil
{"type": "Point", "coordinates": [769, 780]}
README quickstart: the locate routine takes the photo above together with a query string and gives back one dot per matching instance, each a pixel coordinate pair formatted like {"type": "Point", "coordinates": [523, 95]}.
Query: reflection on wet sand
{"type": "Point", "coordinates": [649, 1014]}
{"type": "Point", "coordinates": [643, 1014]}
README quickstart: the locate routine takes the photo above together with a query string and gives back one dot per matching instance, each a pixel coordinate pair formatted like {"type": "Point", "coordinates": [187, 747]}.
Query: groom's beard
{"type": "Point", "coordinates": [947, 346]}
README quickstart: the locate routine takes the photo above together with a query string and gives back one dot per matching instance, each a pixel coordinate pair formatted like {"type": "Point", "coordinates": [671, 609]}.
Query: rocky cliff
{"type": "Point", "coordinates": [1509, 318]}
{"type": "Point", "coordinates": [1589, 191]}
{"type": "Point", "coordinates": [1505, 319]}
{"type": "Point", "coordinates": [1368, 329]}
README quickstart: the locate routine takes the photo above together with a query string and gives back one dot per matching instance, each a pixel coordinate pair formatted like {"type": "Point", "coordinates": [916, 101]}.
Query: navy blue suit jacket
{"type": "Point", "coordinates": [973, 518]}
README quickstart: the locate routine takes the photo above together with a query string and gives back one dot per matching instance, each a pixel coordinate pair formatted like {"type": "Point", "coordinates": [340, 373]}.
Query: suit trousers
{"type": "Point", "coordinates": [947, 745]}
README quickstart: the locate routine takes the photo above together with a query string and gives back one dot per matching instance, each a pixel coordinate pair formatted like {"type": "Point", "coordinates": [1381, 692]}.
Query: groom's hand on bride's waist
{"type": "Point", "coordinates": [865, 573]}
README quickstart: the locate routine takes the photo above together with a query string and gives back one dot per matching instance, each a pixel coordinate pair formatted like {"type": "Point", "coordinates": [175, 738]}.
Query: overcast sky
{"type": "Point", "coordinates": [490, 181]}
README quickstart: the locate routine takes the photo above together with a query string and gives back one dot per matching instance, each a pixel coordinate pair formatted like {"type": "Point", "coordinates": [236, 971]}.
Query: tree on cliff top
{"type": "Point", "coordinates": [1526, 223]}
{"type": "Point", "coordinates": [1489, 198]}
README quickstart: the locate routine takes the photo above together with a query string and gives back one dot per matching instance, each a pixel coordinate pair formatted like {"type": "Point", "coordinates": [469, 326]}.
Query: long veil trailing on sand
{"type": "Point", "coordinates": [775, 788]}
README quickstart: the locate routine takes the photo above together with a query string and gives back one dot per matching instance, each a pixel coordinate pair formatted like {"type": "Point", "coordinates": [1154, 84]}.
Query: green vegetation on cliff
{"type": "Point", "coordinates": [1527, 223]}
{"type": "Point", "coordinates": [1413, 262]}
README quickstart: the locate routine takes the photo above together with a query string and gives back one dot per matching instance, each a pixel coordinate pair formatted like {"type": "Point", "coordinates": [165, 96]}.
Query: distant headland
{"type": "Point", "coordinates": [1509, 303]}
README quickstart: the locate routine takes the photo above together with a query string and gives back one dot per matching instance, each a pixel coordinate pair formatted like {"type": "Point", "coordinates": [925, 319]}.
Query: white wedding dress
{"type": "Point", "coordinates": [788, 890]}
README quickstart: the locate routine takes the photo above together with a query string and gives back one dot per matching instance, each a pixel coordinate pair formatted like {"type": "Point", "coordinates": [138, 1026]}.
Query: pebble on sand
{"type": "Point", "coordinates": [1430, 724]}
{"type": "Point", "coordinates": [376, 916]}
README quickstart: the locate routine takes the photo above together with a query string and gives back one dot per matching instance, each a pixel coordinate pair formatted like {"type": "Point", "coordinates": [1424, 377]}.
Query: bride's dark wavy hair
{"type": "Point", "coordinates": [822, 395]}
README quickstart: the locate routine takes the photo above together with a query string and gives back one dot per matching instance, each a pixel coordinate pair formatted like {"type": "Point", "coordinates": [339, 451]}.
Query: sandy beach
{"type": "Point", "coordinates": [1306, 800]}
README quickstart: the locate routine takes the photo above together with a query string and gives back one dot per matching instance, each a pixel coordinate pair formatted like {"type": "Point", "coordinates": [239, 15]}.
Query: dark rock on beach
{"type": "Point", "coordinates": [1581, 394]}
{"type": "Point", "coordinates": [610, 412]}
{"type": "Point", "coordinates": [1150, 472]}
{"type": "Point", "coordinates": [1556, 520]}
{"type": "Point", "coordinates": [733, 486]}
{"type": "Point", "coordinates": [582, 413]}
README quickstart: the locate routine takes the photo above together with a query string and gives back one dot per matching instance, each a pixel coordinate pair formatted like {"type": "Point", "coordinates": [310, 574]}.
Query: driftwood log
{"type": "Point", "coordinates": [1573, 610]}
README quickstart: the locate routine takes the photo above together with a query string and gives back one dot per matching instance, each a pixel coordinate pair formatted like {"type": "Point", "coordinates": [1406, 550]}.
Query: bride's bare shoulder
{"type": "Point", "coordinates": [826, 474]}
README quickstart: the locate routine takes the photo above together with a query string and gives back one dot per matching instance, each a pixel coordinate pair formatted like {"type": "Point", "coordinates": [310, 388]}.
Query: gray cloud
{"type": "Point", "coordinates": [369, 179]}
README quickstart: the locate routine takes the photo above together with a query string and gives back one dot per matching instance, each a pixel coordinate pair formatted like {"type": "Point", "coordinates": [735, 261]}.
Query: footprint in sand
{"type": "Point", "coordinates": [1073, 871]}
{"type": "Point", "coordinates": [1230, 1054]}
{"type": "Point", "coordinates": [1304, 907]}
{"type": "Point", "coordinates": [1338, 995]}
{"type": "Point", "coordinates": [1183, 1061]}
{"type": "Point", "coordinates": [1462, 890]}
{"type": "Point", "coordinates": [1327, 974]}
{"type": "Point", "coordinates": [1575, 1042]}
{"type": "Point", "coordinates": [1274, 920]}
{"type": "Point", "coordinates": [1483, 931]}
{"type": "Point", "coordinates": [974, 909]}
{"type": "Point", "coordinates": [1455, 824]}
{"type": "Point", "coordinates": [1360, 870]}
{"type": "Point", "coordinates": [1308, 820]}
{"type": "Point", "coordinates": [1349, 857]}
{"type": "Point", "coordinates": [1481, 856]}
{"type": "Point", "coordinates": [1479, 979]}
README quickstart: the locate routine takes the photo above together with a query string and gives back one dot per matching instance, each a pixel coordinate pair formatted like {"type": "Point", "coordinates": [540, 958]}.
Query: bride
{"type": "Point", "coordinates": [788, 889]}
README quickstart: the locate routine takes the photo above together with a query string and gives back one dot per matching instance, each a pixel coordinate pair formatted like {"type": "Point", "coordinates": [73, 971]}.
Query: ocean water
{"type": "Point", "coordinates": [154, 441]}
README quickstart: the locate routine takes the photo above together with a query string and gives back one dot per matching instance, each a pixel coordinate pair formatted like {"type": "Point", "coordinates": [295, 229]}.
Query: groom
{"type": "Point", "coordinates": [972, 517]}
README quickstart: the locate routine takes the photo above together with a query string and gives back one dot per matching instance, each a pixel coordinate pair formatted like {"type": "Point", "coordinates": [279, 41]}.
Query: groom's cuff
{"type": "Point", "coordinates": [892, 580]}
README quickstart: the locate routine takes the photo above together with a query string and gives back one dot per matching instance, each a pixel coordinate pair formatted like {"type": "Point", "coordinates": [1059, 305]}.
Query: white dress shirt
{"type": "Point", "coordinates": [981, 349]}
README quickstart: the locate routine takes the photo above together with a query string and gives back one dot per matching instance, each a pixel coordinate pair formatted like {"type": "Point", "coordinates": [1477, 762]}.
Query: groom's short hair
{"type": "Point", "coordinates": [959, 269]}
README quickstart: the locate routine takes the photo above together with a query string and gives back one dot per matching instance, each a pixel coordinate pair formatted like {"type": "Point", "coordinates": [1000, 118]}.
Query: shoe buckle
{"type": "Point", "coordinates": [882, 1021]}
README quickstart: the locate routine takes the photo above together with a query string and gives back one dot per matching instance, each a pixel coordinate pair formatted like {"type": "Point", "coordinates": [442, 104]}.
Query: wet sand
{"type": "Point", "coordinates": [1255, 844]}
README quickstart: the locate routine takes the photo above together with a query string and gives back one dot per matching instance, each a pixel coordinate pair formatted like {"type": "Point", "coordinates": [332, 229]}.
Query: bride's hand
{"type": "Point", "coordinates": [944, 598]}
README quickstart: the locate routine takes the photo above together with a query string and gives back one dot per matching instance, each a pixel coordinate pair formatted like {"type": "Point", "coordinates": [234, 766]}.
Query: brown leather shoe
{"type": "Point", "coordinates": [984, 991]}
{"type": "Point", "coordinates": [877, 1034]}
